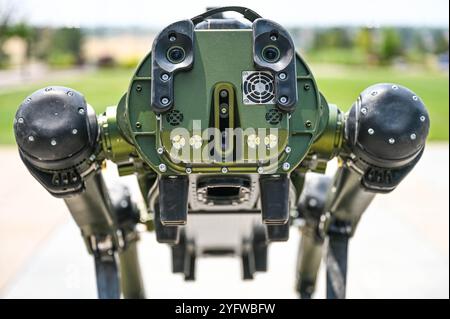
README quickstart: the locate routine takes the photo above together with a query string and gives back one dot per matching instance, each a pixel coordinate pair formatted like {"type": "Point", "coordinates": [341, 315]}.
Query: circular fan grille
{"type": "Point", "coordinates": [259, 88]}
{"type": "Point", "coordinates": [174, 117]}
{"type": "Point", "coordinates": [274, 116]}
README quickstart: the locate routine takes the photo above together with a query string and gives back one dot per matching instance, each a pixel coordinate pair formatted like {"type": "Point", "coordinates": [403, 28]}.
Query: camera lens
{"type": "Point", "coordinates": [175, 54]}
{"type": "Point", "coordinates": [271, 54]}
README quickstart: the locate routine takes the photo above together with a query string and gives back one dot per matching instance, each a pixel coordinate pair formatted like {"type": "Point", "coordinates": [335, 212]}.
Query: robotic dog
{"type": "Point", "coordinates": [229, 136]}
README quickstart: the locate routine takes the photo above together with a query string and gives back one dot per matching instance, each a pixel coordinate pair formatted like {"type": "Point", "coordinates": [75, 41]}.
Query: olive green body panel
{"type": "Point", "coordinates": [225, 54]}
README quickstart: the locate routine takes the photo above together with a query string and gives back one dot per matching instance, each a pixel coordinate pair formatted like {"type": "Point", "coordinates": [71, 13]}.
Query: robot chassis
{"type": "Point", "coordinates": [232, 194]}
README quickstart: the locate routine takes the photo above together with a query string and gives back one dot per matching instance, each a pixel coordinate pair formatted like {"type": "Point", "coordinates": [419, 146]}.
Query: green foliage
{"type": "Point", "coordinates": [68, 41]}
{"type": "Point", "coordinates": [391, 45]}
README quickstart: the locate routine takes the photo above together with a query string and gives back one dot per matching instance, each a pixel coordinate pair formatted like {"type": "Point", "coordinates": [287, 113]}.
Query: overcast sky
{"type": "Point", "coordinates": [157, 13]}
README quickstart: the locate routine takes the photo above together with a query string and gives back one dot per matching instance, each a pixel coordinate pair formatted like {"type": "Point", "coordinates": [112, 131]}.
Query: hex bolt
{"type": "Point", "coordinates": [286, 166]}
{"type": "Point", "coordinates": [160, 150]}
{"type": "Point", "coordinates": [370, 131]}
{"type": "Point", "coordinates": [224, 170]}
{"type": "Point", "coordinates": [391, 141]}
{"type": "Point", "coordinates": [162, 167]}
{"type": "Point", "coordinates": [282, 76]}
{"type": "Point", "coordinates": [164, 76]}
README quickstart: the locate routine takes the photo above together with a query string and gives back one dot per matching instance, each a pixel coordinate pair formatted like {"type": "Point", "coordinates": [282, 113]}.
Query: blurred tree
{"type": "Point", "coordinates": [365, 40]}
{"type": "Point", "coordinates": [68, 41]}
{"type": "Point", "coordinates": [391, 45]}
{"type": "Point", "coordinates": [440, 42]}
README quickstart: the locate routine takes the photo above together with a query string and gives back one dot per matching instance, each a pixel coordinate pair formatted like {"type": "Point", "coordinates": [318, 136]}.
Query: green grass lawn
{"type": "Point", "coordinates": [340, 85]}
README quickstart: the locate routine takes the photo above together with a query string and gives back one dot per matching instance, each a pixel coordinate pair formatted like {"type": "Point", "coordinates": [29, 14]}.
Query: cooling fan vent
{"type": "Point", "coordinates": [258, 87]}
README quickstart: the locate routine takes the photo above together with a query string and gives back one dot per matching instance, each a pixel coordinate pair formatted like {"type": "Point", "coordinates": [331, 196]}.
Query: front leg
{"type": "Point", "coordinates": [58, 138]}
{"type": "Point", "coordinates": [385, 134]}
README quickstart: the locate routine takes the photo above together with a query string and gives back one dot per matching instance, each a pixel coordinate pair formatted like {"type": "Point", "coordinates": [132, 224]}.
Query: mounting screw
{"type": "Point", "coordinates": [31, 138]}
{"type": "Point", "coordinates": [223, 93]}
{"type": "Point", "coordinates": [160, 150]}
{"type": "Point", "coordinates": [20, 120]}
{"type": "Point", "coordinates": [370, 131]}
{"type": "Point", "coordinates": [138, 124]}
{"type": "Point", "coordinates": [307, 87]}
{"type": "Point", "coordinates": [162, 167]}
{"type": "Point", "coordinates": [391, 141]}
{"type": "Point", "coordinates": [53, 142]}
{"type": "Point", "coordinates": [415, 98]}
{"type": "Point", "coordinates": [413, 136]}
{"type": "Point", "coordinates": [422, 118]}
{"type": "Point", "coordinates": [69, 93]}
{"type": "Point", "coordinates": [224, 170]}
{"type": "Point", "coordinates": [138, 88]}
{"type": "Point", "coordinates": [188, 170]}
{"type": "Point", "coordinates": [164, 76]}
{"type": "Point", "coordinates": [282, 76]}
{"type": "Point", "coordinates": [286, 166]}
{"type": "Point", "coordinates": [283, 99]}
{"type": "Point", "coordinates": [308, 123]}
{"type": "Point", "coordinates": [81, 111]}
{"type": "Point", "coordinates": [288, 149]}
{"type": "Point", "coordinates": [395, 87]}
{"type": "Point", "coordinates": [74, 131]}
{"type": "Point", "coordinates": [374, 93]}
{"type": "Point", "coordinates": [47, 89]}
{"type": "Point", "coordinates": [165, 101]}
{"type": "Point", "coordinates": [364, 111]}
{"type": "Point", "coordinates": [260, 170]}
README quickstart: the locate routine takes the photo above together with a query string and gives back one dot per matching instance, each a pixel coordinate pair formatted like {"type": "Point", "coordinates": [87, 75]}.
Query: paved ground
{"type": "Point", "coordinates": [401, 248]}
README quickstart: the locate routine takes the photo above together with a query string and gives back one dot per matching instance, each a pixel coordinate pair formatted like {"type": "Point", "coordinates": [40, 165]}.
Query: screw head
{"type": "Point", "coordinates": [308, 123]}
{"type": "Point", "coordinates": [53, 142]}
{"type": "Point", "coordinates": [373, 93]}
{"type": "Point", "coordinates": [422, 118]}
{"type": "Point", "coordinates": [415, 98]}
{"type": "Point", "coordinates": [223, 93]}
{"type": "Point", "coordinates": [31, 138]}
{"type": "Point", "coordinates": [260, 170]}
{"type": "Point", "coordinates": [47, 89]}
{"type": "Point", "coordinates": [74, 131]}
{"type": "Point", "coordinates": [273, 37]}
{"type": "Point", "coordinates": [395, 87]}
{"type": "Point", "coordinates": [69, 93]}
{"type": "Point", "coordinates": [165, 101]}
{"type": "Point", "coordinates": [307, 87]}
{"type": "Point", "coordinates": [391, 140]}
{"type": "Point", "coordinates": [162, 167]}
{"type": "Point", "coordinates": [371, 131]}
{"type": "Point", "coordinates": [413, 136]}
{"type": "Point", "coordinates": [288, 149]}
{"type": "Point", "coordinates": [20, 120]}
{"type": "Point", "coordinates": [283, 99]}
{"type": "Point", "coordinates": [224, 170]}
{"type": "Point", "coordinates": [138, 124]}
{"type": "Point", "coordinates": [81, 111]}
{"type": "Point", "coordinates": [188, 170]}
{"type": "Point", "coordinates": [160, 150]}
{"type": "Point", "coordinates": [164, 76]}
{"type": "Point", "coordinates": [364, 110]}
{"type": "Point", "coordinates": [286, 166]}
{"type": "Point", "coordinates": [282, 76]}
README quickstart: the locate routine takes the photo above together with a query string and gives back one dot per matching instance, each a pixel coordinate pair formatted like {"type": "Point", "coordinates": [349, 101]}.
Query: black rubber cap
{"type": "Point", "coordinates": [387, 125]}
{"type": "Point", "coordinates": [55, 124]}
